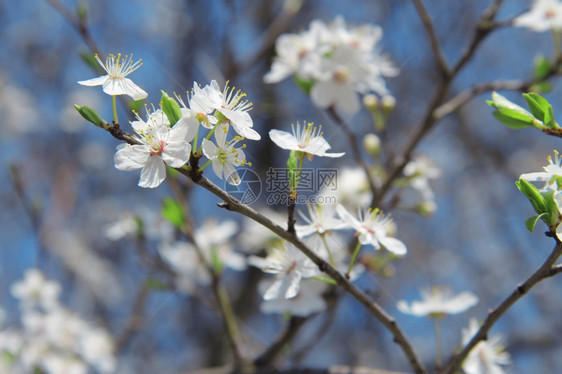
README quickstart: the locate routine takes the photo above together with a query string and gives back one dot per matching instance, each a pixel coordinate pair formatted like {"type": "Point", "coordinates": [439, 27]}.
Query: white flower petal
{"type": "Point", "coordinates": [99, 81]}
{"type": "Point", "coordinates": [209, 149]}
{"type": "Point", "coordinates": [284, 139]}
{"type": "Point", "coordinates": [176, 153]}
{"type": "Point", "coordinates": [131, 157]}
{"type": "Point", "coordinates": [153, 173]}
{"type": "Point", "coordinates": [393, 245]}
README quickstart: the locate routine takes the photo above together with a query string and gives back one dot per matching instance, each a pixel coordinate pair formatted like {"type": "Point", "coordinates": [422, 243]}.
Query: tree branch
{"type": "Point", "coordinates": [545, 271]}
{"type": "Point", "coordinates": [442, 65]}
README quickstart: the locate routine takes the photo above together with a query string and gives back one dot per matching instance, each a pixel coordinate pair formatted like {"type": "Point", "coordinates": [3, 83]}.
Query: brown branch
{"type": "Point", "coordinates": [136, 319]}
{"type": "Point", "coordinates": [545, 271]}
{"type": "Point", "coordinates": [293, 327]}
{"type": "Point", "coordinates": [330, 370]}
{"type": "Point", "coordinates": [442, 65]}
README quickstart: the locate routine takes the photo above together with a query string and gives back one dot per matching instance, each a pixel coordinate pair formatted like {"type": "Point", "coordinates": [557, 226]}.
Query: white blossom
{"type": "Point", "coordinates": [438, 301]}
{"type": "Point", "coordinates": [307, 139]}
{"type": "Point", "coordinates": [488, 356]}
{"type": "Point", "coordinates": [224, 155]}
{"type": "Point", "coordinates": [116, 81]}
{"type": "Point", "coordinates": [160, 144]}
{"type": "Point", "coordinates": [35, 290]}
{"type": "Point", "coordinates": [321, 218]}
{"type": "Point", "coordinates": [308, 301]}
{"type": "Point", "coordinates": [373, 228]}
{"type": "Point", "coordinates": [290, 265]}
{"type": "Point", "coordinates": [544, 15]}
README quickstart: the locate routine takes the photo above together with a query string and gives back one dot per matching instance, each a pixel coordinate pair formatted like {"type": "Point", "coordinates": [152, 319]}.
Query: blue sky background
{"type": "Point", "coordinates": [475, 241]}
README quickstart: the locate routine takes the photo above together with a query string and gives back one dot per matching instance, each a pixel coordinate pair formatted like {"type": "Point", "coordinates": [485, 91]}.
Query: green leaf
{"type": "Point", "coordinates": [173, 212]}
{"type": "Point", "coordinates": [136, 105]}
{"type": "Point", "coordinates": [531, 222]}
{"type": "Point", "coordinates": [92, 116]}
{"type": "Point", "coordinates": [171, 108]}
{"type": "Point", "coordinates": [542, 67]}
{"type": "Point", "coordinates": [541, 108]}
{"type": "Point", "coordinates": [82, 11]}
{"type": "Point", "coordinates": [533, 194]}
{"type": "Point", "coordinates": [154, 284]}
{"type": "Point", "coordinates": [217, 263]}
{"type": "Point", "coordinates": [512, 122]}
{"type": "Point", "coordinates": [510, 114]}
{"type": "Point", "coordinates": [551, 209]}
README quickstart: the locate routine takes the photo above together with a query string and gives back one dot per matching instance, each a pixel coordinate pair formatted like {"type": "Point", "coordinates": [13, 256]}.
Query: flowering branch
{"type": "Point", "coordinates": [547, 270]}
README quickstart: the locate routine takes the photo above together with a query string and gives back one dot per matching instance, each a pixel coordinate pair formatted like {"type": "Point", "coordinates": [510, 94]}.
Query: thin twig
{"type": "Point", "coordinates": [293, 327]}
{"type": "Point", "coordinates": [135, 320]}
{"type": "Point", "coordinates": [428, 25]}
{"type": "Point", "coordinates": [485, 26]}
{"type": "Point", "coordinates": [544, 272]}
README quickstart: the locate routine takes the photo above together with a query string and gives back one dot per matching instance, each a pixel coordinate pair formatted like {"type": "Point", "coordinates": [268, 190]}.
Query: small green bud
{"type": "Point", "coordinates": [388, 104]}
{"type": "Point", "coordinates": [92, 116]}
{"type": "Point", "coordinates": [372, 144]}
{"type": "Point", "coordinates": [426, 208]}
{"type": "Point", "coordinates": [82, 11]}
{"type": "Point", "coordinates": [171, 108]}
{"type": "Point", "coordinates": [371, 102]}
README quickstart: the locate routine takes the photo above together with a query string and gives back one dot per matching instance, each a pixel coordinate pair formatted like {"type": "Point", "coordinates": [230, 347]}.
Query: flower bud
{"type": "Point", "coordinates": [92, 116]}
{"type": "Point", "coordinates": [372, 144]}
{"type": "Point", "coordinates": [388, 104]}
{"type": "Point", "coordinates": [371, 102]}
{"type": "Point", "coordinates": [426, 208]}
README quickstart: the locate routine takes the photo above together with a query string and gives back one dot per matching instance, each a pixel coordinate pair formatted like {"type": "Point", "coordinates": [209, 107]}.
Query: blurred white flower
{"type": "Point", "coordinates": [308, 139]}
{"type": "Point", "coordinates": [323, 218]}
{"type": "Point", "coordinates": [351, 188]}
{"type": "Point", "coordinates": [544, 15]}
{"type": "Point", "coordinates": [290, 265]}
{"type": "Point", "coordinates": [116, 81]}
{"type": "Point", "coordinates": [309, 299]}
{"type": "Point", "coordinates": [36, 291]}
{"type": "Point", "coordinates": [550, 176]}
{"type": "Point", "coordinates": [335, 62]}
{"type": "Point", "coordinates": [373, 228]}
{"type": "Point", "coordinates": [439, 301]}
{"type": "Point", "coordinates": [487, 357]}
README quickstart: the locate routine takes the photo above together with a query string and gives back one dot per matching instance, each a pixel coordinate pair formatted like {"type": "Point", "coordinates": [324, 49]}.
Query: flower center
{"type": "Point", "coordinates": [341, 75]}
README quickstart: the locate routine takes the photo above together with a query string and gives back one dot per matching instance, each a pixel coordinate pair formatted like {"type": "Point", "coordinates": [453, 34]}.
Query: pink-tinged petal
{"type": "Point", "coordinates": [176, 153]}
{"type": "Point", "coordinates": [394, 245]}
{"type": "Point", "coordinates": [99, 81]}
{"type": "Point", "coordinates": [209, 149]}
{"type": "Point", "coordinates": [284, 139]}
{"type": "Point", "coordinates": [153, 173]}
{"type": "Point", "coordinates": [131, 157]}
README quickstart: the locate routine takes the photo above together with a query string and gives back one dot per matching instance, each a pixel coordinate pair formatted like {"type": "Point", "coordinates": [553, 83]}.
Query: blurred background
{"type": "Point", "coordinates": [61, 197]}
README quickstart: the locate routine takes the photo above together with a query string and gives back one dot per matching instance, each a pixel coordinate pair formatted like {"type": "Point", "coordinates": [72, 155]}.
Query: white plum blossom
{"type": "Point", "coordinates": [487, 357]}
{"type": "Point", "coordinates": [335, 61]}
{"type": "Point", "coordinates": [224, 156]}
{"type": "Point", "coordinates": [308, 301]}
{"type": "Point", "coordinates": [211, 106]}
{"type": "Point", "coordinates": [160, 144]}
{"type": "Point", "coordinates": [308, 139]}
{"type": "Point", "coordinates": [544, 15]}
{"type": "Point", "coordinates": [116, 81]}
{"type": "Point", "coordinates": [290, 265]}
{"type": "Point", "coordinates": [322, 218]}
{"type": "Point", "coordinates": [35, 290]}
{"type": "Point", "coordinates": [373, 228]}
{"type": "Point", "coordinates": [439, 301]}
{"type": "Point", "coordinates": [551, 174]}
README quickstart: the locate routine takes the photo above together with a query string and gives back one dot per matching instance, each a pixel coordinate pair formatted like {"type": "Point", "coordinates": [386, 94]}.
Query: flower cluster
{"type": "Point", "coordinates": [334, 62]}
{"type": "Point", "coordinates": [52, 339]}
